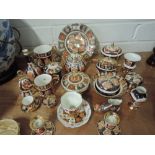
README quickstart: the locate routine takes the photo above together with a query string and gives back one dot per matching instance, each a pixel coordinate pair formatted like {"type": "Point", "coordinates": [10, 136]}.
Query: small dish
{"type": "Point", "coordinates": [108, 84]}
{"type": "Point", "coordinates": [122, 90]}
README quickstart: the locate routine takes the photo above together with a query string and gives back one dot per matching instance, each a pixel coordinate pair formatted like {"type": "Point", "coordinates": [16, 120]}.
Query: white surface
{"type": "Point", "coordinates": [27, 100]}
{"type": "Point", "coordinates": [42, 49]}
{"type": "Point", "coordinates": [42, 80]}
{"type": "Point", "coordinates": [132, 57]}
{"type": "Point", "coordinates": [130, 35]}
{"type": "Point", "coordinates": [71, 100]}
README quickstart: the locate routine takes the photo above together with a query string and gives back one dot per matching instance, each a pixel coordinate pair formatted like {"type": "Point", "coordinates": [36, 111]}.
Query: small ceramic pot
{"type": "Point", "coordinates": [130, 60]}
{"type": "Point", "coordinates": [71, 101]}
{"type": "Point", "coordinates": [30, 103]}
{"type": "Point", "coordinates": [74, 62]}
{"type": "Point", "coordinates": [43, 51]}
{"type": "Point", "coordinates": [54, 69]}
{"type": "Point", "coordinates": [111, 120]}
{"type": "Point", "coordinates": [43, 82]}
{"type": "Point", "coordinates": [37, 124]}
{"type": "Point", "coordinates": [139, 94]}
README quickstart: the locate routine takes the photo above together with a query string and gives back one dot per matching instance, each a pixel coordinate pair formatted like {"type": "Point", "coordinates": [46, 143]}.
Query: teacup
{"type": "Point", "coordinates": [27, 103]}
{"type": "Point", "coordinates": [139, 94]}
{"type": "Point", "coordinates": [43, 82]}
{"type": "Point", "coordinates": [130, 60]}
{"type": "Point", "coordinates": [111, 120]}
{"type": "Point", "coordinates": [37, 124]}
{"type": "Point", "coordinates": [43, 51]}
{"type": "Point", "coordinates": [71, 101]}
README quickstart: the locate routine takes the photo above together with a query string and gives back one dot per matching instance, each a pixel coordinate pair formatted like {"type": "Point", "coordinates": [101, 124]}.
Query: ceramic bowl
{"type": "Point", "coordinates": [43, 82]}
{"type": "Point", "coordinates": [131, 59]}
{"type": "Point", "coordinates": [108, 84]}
{"type": "Point", "coordinates": [71, 101]}
{"type": "Point", "coordinates": [43, 51]}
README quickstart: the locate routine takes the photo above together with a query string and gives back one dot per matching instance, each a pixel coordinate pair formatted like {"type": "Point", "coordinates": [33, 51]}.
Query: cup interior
{"type": "Point", "coordinates": [38, 123]}
{"type": "Point", "coordinates": [42, 80]}
{"type": "Point", "coordinates": [141, 90]}
{"type": "Point", "coordinates": [112, 118]}
{"type": "Point", "coordinates": [42, 49]}
{"type": "Point", "coordinates": [71, 100]}
{"type": "Point", "coordinates": [28, 100]}
{"type": "Point", "coordinates": [132, 57]}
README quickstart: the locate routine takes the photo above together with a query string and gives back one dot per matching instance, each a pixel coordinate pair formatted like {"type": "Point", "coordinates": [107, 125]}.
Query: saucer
{"type": "Point", "coordinates": [122, 90]}
{"type": "Point", "coordinates": [87, 110]}
{"type": "Point", "coordinates": [49, 129]}
{"type": "Point", "coordinates": [102, 130]}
